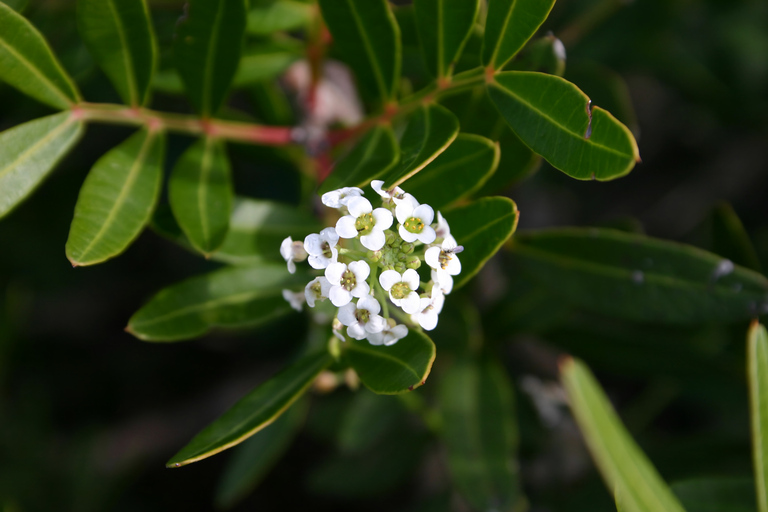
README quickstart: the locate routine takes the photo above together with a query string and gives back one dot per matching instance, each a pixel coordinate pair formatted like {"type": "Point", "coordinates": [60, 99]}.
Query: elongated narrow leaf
{"type": "Point", "coordinates": [757, 346]}
{"type": "Point", "coordinates": [480, 433]}
{"type": "Point", "coordinates": [730, 239]}
{"type": "Point", "coordinates": [716, 494]}
{"type": "Point", "coordinates": [481, 228]}
{"type": "Point", "coordinates": [457, 173]}
{"type": "Point", "coordinates": [207, 50]}
{"type": "Point", "coordinates": [268, 16]}
{"type": "Point", "coordinates": [516, 164]}
{"type": "Point", "coordinates": [509, 25]}
{"type": "Point", "coordinates": [367, 36]}
{"type": "Point", "coordinates": [640, 278]}
{"type": "Point", "coordinates": [444, 27]}
{"type": "Point", "coordinates": [117, 199]}
{"type": "Point", "coordinates": [395, 369]}
{"type": "Point", "coordinates": [265, 63]}
{"type": "Point", "coordinates": [28, 64]}
{"type": "Point", "coordinates": [371, 157]}
{"type": "Point", "coordinates": [200, 193]}
{"type": "Point", "coordinates": [554, 118]}
{"type": "Point", "coordinates": [231, 297]}
{"type": "Point", "coordinates": [253, 412]}
{"type": "Point", "coordinates": [626, 470]}
{"type": "Point", "coordinates": [255, 457]}
{"type": "Point", "coordinates": [119, 35]}
{"type": "Point", "coordinates": [431, 129]}
{"type": "Point", "coordinates": [29, 152]}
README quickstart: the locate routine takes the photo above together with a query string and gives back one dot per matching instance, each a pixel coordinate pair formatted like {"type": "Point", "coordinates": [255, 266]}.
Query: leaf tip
{"type": "Point", "coordinates": [173, 464]}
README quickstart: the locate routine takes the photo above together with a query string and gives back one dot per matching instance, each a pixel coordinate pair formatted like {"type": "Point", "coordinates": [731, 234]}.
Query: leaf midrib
{"type": "Point", "coordinates": [208, 73]}
{"type": "Point", "coordinates": [202, 190]}
{"type": "Point", "coordinates": [127, 56]}
{"type": "Point", "coordinates": [373, 353]}
{"type": "Point", "coordinates": [33, 149]}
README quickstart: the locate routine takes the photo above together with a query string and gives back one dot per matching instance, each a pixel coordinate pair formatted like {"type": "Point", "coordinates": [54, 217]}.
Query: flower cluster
{"type": "Point", "coordinates": [371, 269]}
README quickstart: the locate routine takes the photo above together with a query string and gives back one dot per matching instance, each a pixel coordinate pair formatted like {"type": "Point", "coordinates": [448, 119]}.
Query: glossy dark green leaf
{"type": "Point", "coordinates": [119, 35]}
{"type": "Point", "coordinates": [457, 173]}
{"type": "Point", "coordinates": [268, 16]}
{"type": "Point", "coordinates": [28, 64]}
{"type": "Point", "coordinates": [517, 163]}
{"type": "Point", "coordinates": [716, 494]}
{"type": "Point", "coordinates": [431, 129]}
{"type": "Point", "coordinates": [757, 370]}
{"type": "Point", "coordinates": [117, 199]}
{"type": "Point", "coordinates": [207, 49]}
{"type": "Point", "coordinates": [509, 25]}
{"type": "Point", "coordinates": [444, 27]}
{"type": "Point", "coordinates": [627, 472]}
{"type": "Point", "coordinates": [480, 434]}
{"type": "Point", "coordinates": [367, 36]}
{"type": "Point", "coordinates": [253, 458]}
{"type": "Point", "coordinates": [200, 194]}
{"type": "Point", "coordinates": [255, 411]}
{"type": "Point", "coordinates": [30, 151]}
{"type": "Point", "coordinates": [730, 239]}
{"type": "Point", "coordinates": [481, 228]}
{"type": "Point", "coordinates": [372, 156]}
{"type": "Point", "coordinates": [233, 297]}
{"type": "Point", "coordinates": [395, 369]}
{"type": "Point", "coordinates": [640, 278]}
{"type": "Point", "coordinates": [555, 119]}
{"type": "Point", "coordinates": [265, 62]}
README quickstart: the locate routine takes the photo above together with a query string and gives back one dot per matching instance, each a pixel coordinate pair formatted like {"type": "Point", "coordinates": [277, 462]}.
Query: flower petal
{"type": "Point", "coordinates": [356, 331]}
{"type": "Point", "coordinates": [432, 257]}
{"type": "Point", "coordinates": [346, 314]}
{"type": "Point", "coordinates": [375, 323]}
{"type": "Point", "coordinates": [425, 213]}
{"type": "Point", "coordinates": [407, 235]}
{"type": "Point", "coordinates": [361, 290]}
{"type": "Point", "coordinates": [369, 304]}
{"type": "Point", "coordinates": [443, 280]}
{"type": "Point", "coordinates": [334, 272]}
{"type": "Point", "coordinates": [376, 338]}
{"type": "Point", "coordinates": [383, 218]}
{"type": "Point", "coordinates": [358, 206]}
{"type": "Point", "coordinates": [388, 278]}
{"type": "Point", "coordinates": [399, 331]}
{"type": "Point", "coordinates": [374, 240]}
{"type": "Point", "coordinates": [411, 278]}
{"type": "Point", "coordinates": [428, 320]}
{"type": "Point", "coordinates": [411, 303]}
{"type": "Point", "coordinates": [330, 235]}
{"type": "Point", "coordinates": [405, 207]}
{"type": "Point", "coordinates": [376, 186]}
{"type": "Point", "coordinates": [427, 235]}
{"type": "Point", "coordinates": [360, 269]}
{"type": "Point", "coordinates": [454, 265]}
{"type": "Point", "coordinates": [286, 249]}
{"type": "Point", "coordinates": [339, 296]}
{"type": "Point", "coordinates": [345, 227]}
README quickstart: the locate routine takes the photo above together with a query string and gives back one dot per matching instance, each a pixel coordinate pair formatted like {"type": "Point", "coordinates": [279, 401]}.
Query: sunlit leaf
{"type": "Point", "coordinates": [444, 27]}
{"type": "Point", "coordinates": [268, 16]}
{"type": "Point", "coordinates": [509, 25]}
{"type": "Point", "coordinates": [117, 199]}
{"type": "Point", "coordinates": [255, 411]}
{"type": "Point", "coordinates": [28, 64]}
{"type": "Point", "coordinates": [200, 193]}
{"type": "Point", "coordinates": [626, 470]}
{"type": "Point", "coordinates": [716, 494]}
{"type": "Point", "coordinates": [757, 349]}
{"type": "Point", "coordinates": [640, 278]}
{"type": "Point", "coordinates": [555, 119]}
{"type": "Point", "coordinates": [119, 35]}
{"type": "Point", "coordinates": [30, 151]}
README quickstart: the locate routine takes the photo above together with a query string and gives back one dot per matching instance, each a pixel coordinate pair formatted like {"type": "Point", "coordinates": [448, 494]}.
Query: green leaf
{"type": "Point", "coordinates": [265, 63]}
{"type": "Point", "coordinates": [367, 36]}
{"type": "Point", "coordinates": [757, 369]}
{"type": "Point", "coordinates": [516, 164]}
{"type": "Point", "coordinates": [117, 199]}
{"type": "Point", "coordinates": [16, 5]}
{"type": "Point", "coordinates": [444, 27]}
{"type": "Point", "coordinates": [371, 157]}
{"type": "Point", "coordinates": [230, 297]}
{"type": "Point", "coordinates": [555, 119]}
{"type": "Point", "coordinates": [119, 35]}
{"type": "Point", "coordinates": [200, 193]}
{"type": "Point", "coordinates": [480, 434]}
{"type": "Point", "coordinates": [268, 16]}
{"type": "Point", "coordinates": [30, 151]}
{"type": "Point", "coordinates": [252, 460]}
{"type": "Point", "coordinates": [431, 129]}
{"type": "Point", "coordinates": [545, 55]}
{"type": "Point", "coordinates": [730, 239]}
{"type": "Point", "coordinates": [457, 173]}
{"type": "Point", "coordinates": [716, 494]}
{"type": "Point", "coordinates": [28, 64]}
{"type": "Point", "coordinates": [367, 419]}
{"type": "Point", "coordinates": [625, 468]}
{"type": "Point", "coordinates": [509, 25]}
{"type": "Point", "coordinates": [481, 228]}
{"type": "Point", "coordinates": [253, 412]}
{"type": "Point", "coordinates": [207, 50]}
{"type": "Point", "coordinates": [395, 369]}
{"type": "Point", "coordinates": [640, 278]}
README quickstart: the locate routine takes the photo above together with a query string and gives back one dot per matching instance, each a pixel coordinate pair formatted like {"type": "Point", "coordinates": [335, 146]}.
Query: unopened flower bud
{"type": "Point", "coordinates": [406, 248]}
{"type": "Point", "coordinates": [400, 267]}
{"type": "Point", "coordinates": [374, 256]}
{"type": "Point", "coordinates": [401, 256]}
{"type": "Point", "coordinates": [390, 237]}
{"type": "Point", "coordinates": [414, 263]}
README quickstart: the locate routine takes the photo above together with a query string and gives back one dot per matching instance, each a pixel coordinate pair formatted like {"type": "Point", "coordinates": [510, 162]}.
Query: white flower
{"type": "Point", "coordinates": [362, 318]}
{"type": "Point", "coordinates": [443, 258]}
{"type": "Point", "coordinates": [429, 308]}
{"type": "Point", "coordinates": [443, 230]}
{"type": "Point", "coordinates": [340, 197]}
{"type": "Point", "coordinates": [291, 252]}
{"type": "Point", "coordinates": [402, 288]}
{"type": "Point", "coordinates": [321, 248]}
{"type": "Point", "coordinates": [386, 195]}
{"type": "Point", "coordinates": [389, 335]}
{"type": "Point", "coordinates": [295, 299]}
{"type": "Point", "coordinates": [363, 220]}
{"type": "Point", "coordinates": [337, 327]}
{"type": "Point", "coordinates": [347, 281]}
{"type": "Point", "coordinates": [415, 220]}
{"type": "Point", "coordinates": [317, 289]}
{"type": "Point", "coordinates": [444, 280]}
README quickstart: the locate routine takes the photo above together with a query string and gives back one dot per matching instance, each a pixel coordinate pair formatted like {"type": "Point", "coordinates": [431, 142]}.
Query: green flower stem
{"type": "Point", "coordinates": [382, 298]}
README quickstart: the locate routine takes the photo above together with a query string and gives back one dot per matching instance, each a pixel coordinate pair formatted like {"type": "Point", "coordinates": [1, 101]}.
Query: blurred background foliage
{"type": "Point", "coordinates": [89, 415]}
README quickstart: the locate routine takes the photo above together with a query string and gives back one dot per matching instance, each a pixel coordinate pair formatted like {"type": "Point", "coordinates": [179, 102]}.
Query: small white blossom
{"type": "Point", "coordinates": [415, 220]}
{"type": "Point", "coordinates": [322, 248]}
{"type": "Point", "coordinates": [444, 280]}
{"type": "Point", "coordinates": [337, 327]}
{"type": "Point", "coordinates": [443, 230]}
{"type": "Point", "coordinates": [386, 195]}
{"type": "Point", "coordinates": [295, 299]}
{"type": "Point", "coordinates": [317, 289]}
{"type": "Point", "coordinates": [389, 335]}
{"type": "Point", "coordinates": [347, 281]}
{"type": "Point", "coordinates": [402, 288]}
{"type": "Point", "coordinates": [362, 318]}
{"type": "Point", "coordinates": [340, 197]}
{"type": "Point", "coordinates": [363, 220]}
{"type": "Point", "coordinates": [429, 308]}
{"type": "Point", "coordinates": [443, 258]}
{"type": "Point", "coordinates": [292, 252]}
